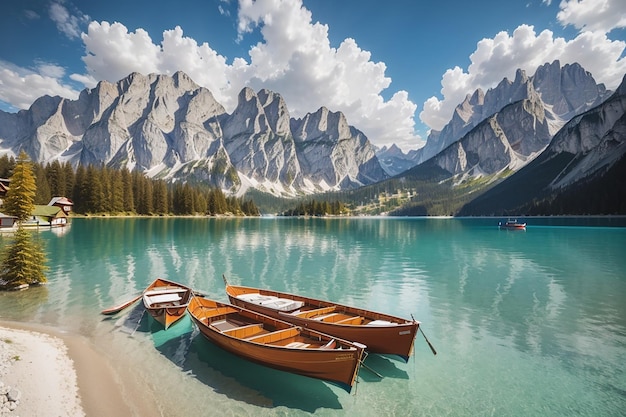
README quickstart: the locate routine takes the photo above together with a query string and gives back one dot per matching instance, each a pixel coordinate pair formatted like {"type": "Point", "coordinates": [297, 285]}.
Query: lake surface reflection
{"type": "Point", "coordinates": [526, 323]}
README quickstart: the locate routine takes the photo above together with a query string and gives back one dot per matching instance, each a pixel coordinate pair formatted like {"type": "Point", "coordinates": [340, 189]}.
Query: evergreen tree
{"type": "Point", "coordinates": [80, 191]}
{"type": "Point", "coordinates": [43, 194]}
{"type": "Point", "coordinates": [56, 176]}
{"type": "Point", "coordinates": [95, 190]}
{"type": "Point", "coordinates": [160, 197]}
{"type": "Point", "coordinates": [117, 192]}
{"type": "Point", "coordinates": [6, 166]}
{"type": "Point", "coordinates": [20, 198]}
{"type": "Point", "coordinates": [127, 184]}
{"type": "Point", "coordinates": [23, 261]}
{"type": "Point", "coordinates": [69, 177]}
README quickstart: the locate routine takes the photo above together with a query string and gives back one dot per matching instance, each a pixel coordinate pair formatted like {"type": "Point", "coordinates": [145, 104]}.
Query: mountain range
{"type": "Point", "coordinates": [170, 128]}
{"type": "Point", "coordinates": [582, 171]}
{"type": "Point", "coordinates": [560, 92]}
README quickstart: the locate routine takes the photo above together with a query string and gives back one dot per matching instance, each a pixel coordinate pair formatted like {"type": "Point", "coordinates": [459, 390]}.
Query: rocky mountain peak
{"type": "Point", "coordinates": [331, 126]}
{"type": "Point", "coordinates": [564, 92]}
{"type": "Point", "coordinates": [276, 111]}
{"type": "Point", "coordinates": [168, 126]}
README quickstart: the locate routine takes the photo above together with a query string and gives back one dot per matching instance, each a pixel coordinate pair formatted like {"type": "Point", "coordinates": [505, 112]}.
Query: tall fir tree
{"type": "Point", "coordinates": [20, 198]}
{"type": "Point", "coordinates": [23, 261]}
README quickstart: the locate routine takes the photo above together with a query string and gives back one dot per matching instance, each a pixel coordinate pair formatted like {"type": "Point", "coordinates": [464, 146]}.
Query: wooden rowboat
{"type": "Point", "coordinates": [276, 343]}
{"type": "Point", "coordinates": [381, 333]}
{"type": "Point", "coordinates": [166, 301]}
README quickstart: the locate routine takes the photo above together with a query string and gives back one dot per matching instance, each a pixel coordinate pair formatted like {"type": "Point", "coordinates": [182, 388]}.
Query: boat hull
{"type": "Point", "coordinates": [339, 366]}
{"type": "Point", "coordinates": [391, 335]}
{"type": "Point", "coordinates": [166, 301]}
{"type": "Point", "coordinates": [512, 225]}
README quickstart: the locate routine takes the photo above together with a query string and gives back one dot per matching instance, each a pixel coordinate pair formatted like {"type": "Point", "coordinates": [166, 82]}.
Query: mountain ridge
{"type": "Point", "coordinates": [168, 127]}
{"type": "Point", "coordinates": [563, 91]}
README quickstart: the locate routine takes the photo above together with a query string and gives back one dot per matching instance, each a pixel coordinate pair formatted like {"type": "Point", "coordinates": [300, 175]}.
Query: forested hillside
{"type": "Point", "coordinates": [102, 190]}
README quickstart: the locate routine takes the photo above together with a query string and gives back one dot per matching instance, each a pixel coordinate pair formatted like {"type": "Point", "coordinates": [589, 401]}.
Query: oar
{"type": "Point", "coordinates": [425, 338]}
{"type": "Point", "coordinates": [371, 370]}
{"type": "Point", "coordinates": [117, 309]}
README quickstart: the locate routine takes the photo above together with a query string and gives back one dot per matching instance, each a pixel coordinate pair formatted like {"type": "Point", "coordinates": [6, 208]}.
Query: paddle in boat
{"type": "Point", "coordinates": [166, 301]}
{"type": "Point", "coordinates": [512, 224]}
{"type": "Point", "coordinates": [276, 343]}
{"type": "Point", "coordinates": [381, 333]}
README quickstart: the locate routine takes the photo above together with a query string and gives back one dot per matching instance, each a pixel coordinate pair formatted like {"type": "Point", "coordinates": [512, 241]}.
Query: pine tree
{"type": "Point", "coordinates": [117, 192]}
{"type": "Point", "coordinates": [43, 194]}
{"type": "Point", "coordinates": [160, 197]}
{"type": "Point", "coordinates": [19, 201]}
{"type": "Point", "coordinates": [6, 166]}
{"type": "Point", "coordinates": [23, 261]}
{"type": "Point", "coordinates": [127, 184]}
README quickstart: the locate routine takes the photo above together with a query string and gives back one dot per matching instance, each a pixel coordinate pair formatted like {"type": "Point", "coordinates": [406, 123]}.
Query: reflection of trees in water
{"type": "Point", "coordinates": [23, 305]}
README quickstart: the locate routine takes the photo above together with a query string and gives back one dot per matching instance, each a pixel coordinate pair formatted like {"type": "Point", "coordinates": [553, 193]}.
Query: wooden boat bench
{"type": "Point", "coordinates": [307, 314]}
{"type": "Point", "coordinates": [274, 336]}
{"type": "Point", "coordinates": [243, 332]}
{"type": "Point", "coordinates": [356, 320]}
{"type": "Point", "coordinates": [164, 300]}
{"type": "Point", "coordinates": [340, 318]}
{"type": "Point", "coordinates": [271, 301]}
{"type": "Point", "coordinates": [298, 345]}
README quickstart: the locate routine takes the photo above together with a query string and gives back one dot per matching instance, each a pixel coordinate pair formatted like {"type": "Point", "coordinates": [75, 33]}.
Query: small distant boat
{"type": "Point", "coordinates": [276, 343]}
{"type": "Point", "coordinates": [166, 301]}
{"type": "Point", "coordinates": [381, 333]}
{"type": "Point", "coordinates": [512, 224]}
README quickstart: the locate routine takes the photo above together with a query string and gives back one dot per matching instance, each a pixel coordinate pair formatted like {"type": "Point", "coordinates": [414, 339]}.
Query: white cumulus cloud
{"type": "Point", "coordinates": [499, 57]}
{"type": "Point", "coordinates": [67, 23]}
{"type": "Point", "coordinates": [593, 15]}
{"type": "Point", "coordinates": [21, 87]}
{"type": "Point", "coordinates": [294, 59]}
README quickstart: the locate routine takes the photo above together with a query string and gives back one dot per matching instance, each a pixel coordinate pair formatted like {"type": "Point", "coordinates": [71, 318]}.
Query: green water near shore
{"type": "Point", "coordinates": [526, 323]}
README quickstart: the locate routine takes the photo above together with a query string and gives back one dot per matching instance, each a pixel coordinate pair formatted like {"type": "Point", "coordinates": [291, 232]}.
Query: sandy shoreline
{"type": "Point", "coordinates": [60, 374]}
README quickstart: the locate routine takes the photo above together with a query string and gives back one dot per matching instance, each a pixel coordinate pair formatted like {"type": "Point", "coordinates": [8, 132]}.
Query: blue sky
{"type": "Point", "coordinates": [396, 69]}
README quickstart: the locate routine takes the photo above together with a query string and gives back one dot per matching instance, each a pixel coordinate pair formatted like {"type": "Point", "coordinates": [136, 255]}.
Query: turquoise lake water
{"type": "Point", "coordinates": [525, 323]}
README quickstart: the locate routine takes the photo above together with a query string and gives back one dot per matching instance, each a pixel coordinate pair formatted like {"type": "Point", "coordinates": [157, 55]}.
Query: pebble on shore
{"type": "Point", "coordinates": [35, 375]}
{"type": "Point", "coordinates": [9, 396]}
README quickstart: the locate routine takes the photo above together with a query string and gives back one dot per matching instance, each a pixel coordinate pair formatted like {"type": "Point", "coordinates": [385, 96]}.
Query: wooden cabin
{"type": "Point", "coordinates": [47, 216]}
{"type": "Point", "coordinates": [63, 202]}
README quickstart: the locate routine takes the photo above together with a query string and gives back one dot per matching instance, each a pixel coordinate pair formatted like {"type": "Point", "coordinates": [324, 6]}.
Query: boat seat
{"type": "Point", "coordinates": [274, 336]}
{"type": "Point", "coordinates": [325, 317]}
{"type": "Point", "coordinates": [307, 314]}
{"type": "Point", "coordinates": [270, 301]}
{"type": "Point", "coordinates": [242, 332]}
{"type": "Point", "coordinates": [351, 320]}
{"type": "Point", "coordinates": [163, 298]}
{"type": "Point", "coordinates": [157, 290]}
{"type": "Point", "coordinates": [298, 345]}
{"type": "Point", "coordinates": [381, 323]}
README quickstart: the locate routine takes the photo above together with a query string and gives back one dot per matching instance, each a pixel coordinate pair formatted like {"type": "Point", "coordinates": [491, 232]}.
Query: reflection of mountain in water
{"type": "Point", "coordinates": [473, 275]}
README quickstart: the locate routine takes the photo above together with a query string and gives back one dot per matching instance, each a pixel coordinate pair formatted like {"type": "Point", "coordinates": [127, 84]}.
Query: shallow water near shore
{"type": "Point", "coordinates": [525, 323]}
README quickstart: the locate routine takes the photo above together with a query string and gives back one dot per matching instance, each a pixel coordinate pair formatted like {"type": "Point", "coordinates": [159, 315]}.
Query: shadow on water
{"type": "Point", "coordinates": [382, 365]}
{"type": "Point", "coordinates": [226, 373]}
{"type": "Point", "coordinates": [234, 377]}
